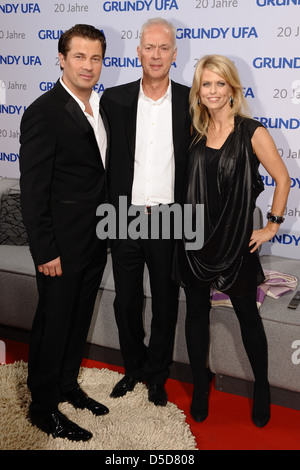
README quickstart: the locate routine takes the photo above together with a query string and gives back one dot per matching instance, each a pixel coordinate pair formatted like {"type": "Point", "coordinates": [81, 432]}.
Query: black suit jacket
{"type": "Point", "coordinates": [62, 178]}
{"type": "Point", "coordinates": [120, 105]}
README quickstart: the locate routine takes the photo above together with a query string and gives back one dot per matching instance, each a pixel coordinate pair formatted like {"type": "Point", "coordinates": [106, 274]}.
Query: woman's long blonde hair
{"type": "Point", "coordinates": [224, 67]}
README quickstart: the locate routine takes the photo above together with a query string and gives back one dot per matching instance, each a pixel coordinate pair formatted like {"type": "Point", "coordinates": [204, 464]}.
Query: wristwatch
{"type": "Point", "coordinates": [276, 219]}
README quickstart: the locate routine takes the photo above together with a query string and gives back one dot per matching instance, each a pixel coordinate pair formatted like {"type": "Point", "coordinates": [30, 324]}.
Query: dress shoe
{"type": "Point", "coordinates": [58, 425]}
{"type": "Point", "coordinates": [199, 406]}
{"type": "Point", "coordinates": [79, 399]}
{"type": "Point", "coordinates": [261, 405]}
{"type": "Point", "coordinates": [125, 385]}
{"type": "Point", "coordinates": [157, 394]}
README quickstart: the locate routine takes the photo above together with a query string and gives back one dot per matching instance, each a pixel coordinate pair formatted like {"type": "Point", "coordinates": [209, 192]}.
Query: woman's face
{"type": "Point", "coordinates": [214, 91]}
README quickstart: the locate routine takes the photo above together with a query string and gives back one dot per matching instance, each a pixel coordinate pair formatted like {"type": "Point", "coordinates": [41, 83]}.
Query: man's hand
{"type": "Point", "coordinates": [52, 268]}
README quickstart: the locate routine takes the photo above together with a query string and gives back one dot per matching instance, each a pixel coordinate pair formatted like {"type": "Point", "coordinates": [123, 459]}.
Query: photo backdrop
{"type": "Point", "coordinates": [260, 36]}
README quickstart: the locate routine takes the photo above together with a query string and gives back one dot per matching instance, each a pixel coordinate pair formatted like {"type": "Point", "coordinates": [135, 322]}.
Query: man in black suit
{"type": "Point", "coordinates": [150, 134]}
{"type": "Point", "coordinates": [62, 165]}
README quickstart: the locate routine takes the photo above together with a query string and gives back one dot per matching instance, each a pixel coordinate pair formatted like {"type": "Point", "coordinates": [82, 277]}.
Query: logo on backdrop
{"type": "Point", "coordinates": [276, 63]}
{"type": "Point", "coordinates": [50, 34]}
{"type": "Point", "coordinates": [241, 32]}
{"type": "Point", "coordinates": [11, 109]}
{"type": "Point", "coordinates": [286, 239]}
{"type": "Point", "coordinates": [269, 181]}
{"type": "Point", "coordinates": [20, 60]}
{"type": "Point", "coordinates": [279, 123]}
{"type": "Point", "coordinates": [277, 3]}
{"type": "Point", "coordinates": [140, 5]}
{"type": "Point", "coordinates": [121, 62]}
{"type": "Point", "coordinates": [45, 86]}
{"type": "Point", "coordinates": [9, 157]}
{"type": "Point", "coordinates": [20, 8]}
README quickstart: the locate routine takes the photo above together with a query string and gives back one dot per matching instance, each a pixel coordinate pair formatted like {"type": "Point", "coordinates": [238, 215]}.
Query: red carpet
{"type": "Point", "coordinates": [228, 426]}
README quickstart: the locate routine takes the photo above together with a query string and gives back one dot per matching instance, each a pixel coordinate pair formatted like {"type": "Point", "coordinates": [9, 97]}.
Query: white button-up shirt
{"type": "Point", "coordinates": [154, 167]}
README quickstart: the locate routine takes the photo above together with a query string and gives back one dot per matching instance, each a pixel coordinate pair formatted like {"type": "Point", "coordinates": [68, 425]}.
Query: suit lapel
{"type": "Point", "coordinates": [77, 115]}
{"type": "Point", "coordinates": [178, 117]}
{"type": "Point", "coordinates": [130, 114]}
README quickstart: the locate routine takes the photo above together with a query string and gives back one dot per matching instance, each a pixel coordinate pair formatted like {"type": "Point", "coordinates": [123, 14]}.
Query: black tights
{"type": "Point", "coordinates": [197, 332]}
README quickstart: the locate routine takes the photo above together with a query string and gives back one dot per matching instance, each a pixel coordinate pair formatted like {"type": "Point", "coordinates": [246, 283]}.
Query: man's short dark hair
{"type": "Point", "coordinates": [83, 31]}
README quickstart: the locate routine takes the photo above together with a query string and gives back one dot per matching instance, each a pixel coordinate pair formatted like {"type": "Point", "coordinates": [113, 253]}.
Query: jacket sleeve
{"type": "Point", "coordinates": [37, 157]}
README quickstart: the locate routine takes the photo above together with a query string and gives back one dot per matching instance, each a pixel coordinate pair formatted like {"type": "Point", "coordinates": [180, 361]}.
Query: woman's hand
{"type": "Point", "coordinates": [261, 236]}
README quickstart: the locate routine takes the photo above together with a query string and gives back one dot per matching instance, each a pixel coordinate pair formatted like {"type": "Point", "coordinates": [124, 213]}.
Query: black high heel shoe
{"type": "Point", "coordinates": [199, 406]}
{"type": "Point", "coordinates": [261, 413]}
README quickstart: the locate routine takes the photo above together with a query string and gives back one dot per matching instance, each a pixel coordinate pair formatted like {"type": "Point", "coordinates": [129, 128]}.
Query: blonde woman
{"type": "Point", "coordinates": [227, 148]}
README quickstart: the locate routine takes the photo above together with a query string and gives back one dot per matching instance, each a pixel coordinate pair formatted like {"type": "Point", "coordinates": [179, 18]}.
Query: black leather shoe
{"type": "Point", "coordinates": [58, 425]}
{"type": "Point", "coordinates": [157, 394]}
{"type": "Point", "coordinates": [125, 385]}
{"type": "Point", "coordinates": [79, 399]}
{"type": "Point", "coordinates": [261, 413]}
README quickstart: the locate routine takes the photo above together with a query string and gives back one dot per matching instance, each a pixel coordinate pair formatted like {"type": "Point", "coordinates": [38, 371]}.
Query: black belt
{"type": "Point", "coordinates": [148, 209]}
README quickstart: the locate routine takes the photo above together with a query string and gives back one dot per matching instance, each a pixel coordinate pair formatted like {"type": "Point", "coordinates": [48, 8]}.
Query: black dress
{"type": "Point", "coordinates": [227, 182]}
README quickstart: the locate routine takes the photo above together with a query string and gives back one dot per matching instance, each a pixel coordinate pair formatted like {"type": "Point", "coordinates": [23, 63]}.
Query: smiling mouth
{"type": "Point", "coordinates": [86, 77]}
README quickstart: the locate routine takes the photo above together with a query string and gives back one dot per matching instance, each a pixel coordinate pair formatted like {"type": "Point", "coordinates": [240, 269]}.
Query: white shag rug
{"type": "Point", "coordinates": [133, 423]}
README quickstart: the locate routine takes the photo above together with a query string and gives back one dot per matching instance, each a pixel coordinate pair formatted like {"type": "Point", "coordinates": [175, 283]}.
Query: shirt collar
{"type": "Point", "coordinates": [167, 95]}
{"type": "Point", "coordinates": [94, 98]}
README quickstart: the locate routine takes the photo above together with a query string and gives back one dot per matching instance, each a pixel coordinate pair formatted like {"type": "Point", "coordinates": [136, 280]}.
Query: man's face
{"type": "Point", "coordinates": [156, 52]}
{"type": "Point", "coordinates": [82, 65]}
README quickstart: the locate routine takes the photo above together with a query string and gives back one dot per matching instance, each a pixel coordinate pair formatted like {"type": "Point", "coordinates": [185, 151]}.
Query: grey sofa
{"type": "Point", "coordinates": [227, 358]}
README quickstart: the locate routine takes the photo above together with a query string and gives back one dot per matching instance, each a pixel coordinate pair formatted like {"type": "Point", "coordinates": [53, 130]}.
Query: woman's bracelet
{"type": "Point", "coordinates": [276, 219]}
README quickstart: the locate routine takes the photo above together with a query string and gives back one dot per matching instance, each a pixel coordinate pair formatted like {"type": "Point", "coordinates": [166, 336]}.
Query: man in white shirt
{"type": "Point", "coordinates": [150, 135]}
{"type": "Point", "coordinates": [62, 166]}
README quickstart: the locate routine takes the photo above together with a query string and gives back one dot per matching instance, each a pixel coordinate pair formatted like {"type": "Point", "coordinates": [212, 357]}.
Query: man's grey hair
{"type": "Point", "coordinates": [159, 21]}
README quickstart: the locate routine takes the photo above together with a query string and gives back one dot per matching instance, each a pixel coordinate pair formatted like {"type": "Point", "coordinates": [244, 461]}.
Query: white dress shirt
{"type": "Point", "coordinates": [154, 167]}
{"type": "Point", "coordinates": [95, 120]}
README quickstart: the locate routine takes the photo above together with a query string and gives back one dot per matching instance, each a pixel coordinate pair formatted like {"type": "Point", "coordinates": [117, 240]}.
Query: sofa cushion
{"type": "Point", "coordinates": [17, 260]}
{"type": "Point", "coordinates": [6, 184]}
{"type": "Point", "coordinates": [12, 229]}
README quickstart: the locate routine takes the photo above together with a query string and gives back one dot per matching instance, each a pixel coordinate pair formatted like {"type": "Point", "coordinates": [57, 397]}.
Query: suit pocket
{"type": "Point", "coordinates": [63, 201]}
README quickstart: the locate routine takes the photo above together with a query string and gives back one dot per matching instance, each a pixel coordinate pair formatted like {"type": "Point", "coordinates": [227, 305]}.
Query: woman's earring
{"type": "Point", "coordinates": [198, 102]}
{"type": "Point", "coordinates": [231, 101]}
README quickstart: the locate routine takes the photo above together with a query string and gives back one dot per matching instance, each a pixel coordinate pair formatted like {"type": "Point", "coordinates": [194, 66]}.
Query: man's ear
{"type": "Point", "coordinates": [175, 55]}
{"type": "Point", "coordinates": [61, 60]}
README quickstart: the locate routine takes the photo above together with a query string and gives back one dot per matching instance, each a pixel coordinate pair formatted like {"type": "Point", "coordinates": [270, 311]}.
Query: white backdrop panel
{"type": "Point", "coordinates": [262, 37]}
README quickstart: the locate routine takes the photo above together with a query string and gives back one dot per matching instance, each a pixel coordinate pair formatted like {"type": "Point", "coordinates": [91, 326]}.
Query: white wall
{"type": "Point", "coordinates": [262, 37]}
